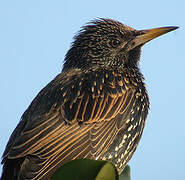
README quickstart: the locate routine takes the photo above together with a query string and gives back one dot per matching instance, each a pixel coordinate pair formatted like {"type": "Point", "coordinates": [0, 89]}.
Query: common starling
{"type": "Point", "coordinates": [95, 108]}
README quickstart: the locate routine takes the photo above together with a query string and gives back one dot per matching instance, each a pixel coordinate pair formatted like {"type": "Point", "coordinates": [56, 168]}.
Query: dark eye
{"type": "Point", "coordinates": [115, 42]}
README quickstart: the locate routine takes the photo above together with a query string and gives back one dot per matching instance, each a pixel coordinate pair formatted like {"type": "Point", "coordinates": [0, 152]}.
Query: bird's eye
{"type": "Point", "coordinates": [115, 42]}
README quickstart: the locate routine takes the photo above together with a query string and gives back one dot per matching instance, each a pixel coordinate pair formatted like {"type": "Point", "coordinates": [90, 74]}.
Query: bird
{"type": "Point", "coordinates": [96, 108]}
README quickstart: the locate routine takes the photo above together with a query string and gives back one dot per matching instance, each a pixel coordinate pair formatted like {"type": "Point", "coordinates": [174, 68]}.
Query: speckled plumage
{"type": "Point", "coordinates": [95, 108]}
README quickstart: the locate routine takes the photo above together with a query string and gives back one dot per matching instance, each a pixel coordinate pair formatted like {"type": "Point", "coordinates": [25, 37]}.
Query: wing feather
{"type": "Point", "coordinates": [82, 120]}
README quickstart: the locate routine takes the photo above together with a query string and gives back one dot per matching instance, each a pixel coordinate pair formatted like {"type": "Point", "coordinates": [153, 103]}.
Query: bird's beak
{"type": "Point", "coordinates": [147, 35]}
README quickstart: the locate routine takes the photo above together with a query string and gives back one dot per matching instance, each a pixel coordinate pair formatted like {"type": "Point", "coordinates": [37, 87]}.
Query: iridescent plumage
{"type": "Point", "coordinates": [95, 108]}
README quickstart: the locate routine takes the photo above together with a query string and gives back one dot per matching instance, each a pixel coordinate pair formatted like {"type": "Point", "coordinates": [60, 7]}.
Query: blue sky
{"type": "Point", "coordinates": [34, 37]}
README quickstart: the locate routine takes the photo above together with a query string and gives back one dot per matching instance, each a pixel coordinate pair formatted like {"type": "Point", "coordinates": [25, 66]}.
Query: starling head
{"type": "Point", "coordinates": [106, 42]}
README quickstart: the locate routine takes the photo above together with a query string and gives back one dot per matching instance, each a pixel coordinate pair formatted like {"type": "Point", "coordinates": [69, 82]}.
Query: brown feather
{"type": "Point", "coordinates": [80, 123]}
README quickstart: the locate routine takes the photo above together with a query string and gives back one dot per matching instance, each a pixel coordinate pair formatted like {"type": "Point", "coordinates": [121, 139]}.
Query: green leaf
{"type": "Point", "coordinates": [108, 172]}
{"type": "Point", "coordinates": [125, 175]}
{"type": "Point", "coordinates": [86, 169]}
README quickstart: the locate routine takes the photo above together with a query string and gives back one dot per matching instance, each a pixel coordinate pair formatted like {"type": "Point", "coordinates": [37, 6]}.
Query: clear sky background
{"type": "Point", "coordinates": [36, 34]}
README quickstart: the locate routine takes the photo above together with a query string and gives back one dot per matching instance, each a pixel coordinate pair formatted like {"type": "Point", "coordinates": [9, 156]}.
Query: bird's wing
{"type": "Point", "coordinates": [73, 117]}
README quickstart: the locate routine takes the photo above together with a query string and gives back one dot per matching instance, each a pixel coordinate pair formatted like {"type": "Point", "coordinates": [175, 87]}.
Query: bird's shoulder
{"type": "Point", "coordinates": [79, 94]}
{"type": "Point", "coordinates": [93, 95]}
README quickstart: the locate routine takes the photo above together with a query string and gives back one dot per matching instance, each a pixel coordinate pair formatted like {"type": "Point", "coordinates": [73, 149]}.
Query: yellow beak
{"type": "Point", "coordinates": [147, 35]}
